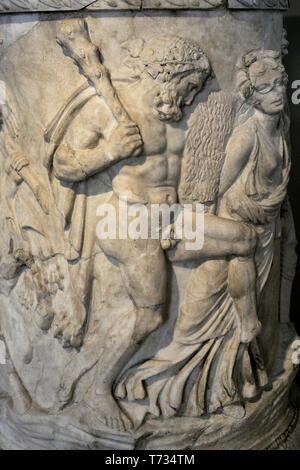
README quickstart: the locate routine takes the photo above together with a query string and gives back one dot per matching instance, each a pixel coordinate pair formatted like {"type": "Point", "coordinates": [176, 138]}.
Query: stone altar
{"type": "Point", "coordinates": [115, 335]}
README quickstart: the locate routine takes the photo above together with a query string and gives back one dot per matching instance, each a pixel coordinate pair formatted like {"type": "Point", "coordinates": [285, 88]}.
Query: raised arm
{"type": "Point", "coordinates": [238, 151]}
{"type": "Point", "coordinates": [90, 146]}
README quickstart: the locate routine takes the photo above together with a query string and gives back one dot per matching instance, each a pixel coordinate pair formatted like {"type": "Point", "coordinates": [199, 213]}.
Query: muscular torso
{"type": "Point", "coordinates": [151, 177]}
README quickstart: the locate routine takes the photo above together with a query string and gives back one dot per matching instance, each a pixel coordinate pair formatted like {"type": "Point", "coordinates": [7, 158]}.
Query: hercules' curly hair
{"type": "Point", "coordinates": [165, 56]}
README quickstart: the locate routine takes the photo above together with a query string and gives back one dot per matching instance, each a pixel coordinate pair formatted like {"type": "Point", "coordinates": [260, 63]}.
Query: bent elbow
{"type": "Point", "coordinates": [66, 174]}
{"type": "Point", "coordinates": [67, 171]}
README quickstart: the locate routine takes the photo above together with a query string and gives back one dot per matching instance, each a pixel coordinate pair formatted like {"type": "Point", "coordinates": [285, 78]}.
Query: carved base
{"type": "Point", "coordinates": [96, 109]}
{"type": "Point", "coordinates": [272, 422]}
{"type": "Point", "coordinates": [290, 439]}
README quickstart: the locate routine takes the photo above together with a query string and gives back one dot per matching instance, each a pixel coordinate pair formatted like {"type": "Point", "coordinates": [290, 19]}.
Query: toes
{"type": "Point", "coordinates": [117, 424]}
{"type": "Point", "coordinates": [64, 329]}
{"type": "Point", "coordinates": [120, 391]}
{"type": "Point", "coordinates": [124, 423]}
{"type": "Point", "coordinates": [135, 388]}
{"type": "Point", "coordinates": [127, 424]}
{"type": "Point", "coordinates": [130, 389]}
{"type": "Point", "coordinates": [122, 427]}
{"type": "Point", "coordinates": [139, 389]}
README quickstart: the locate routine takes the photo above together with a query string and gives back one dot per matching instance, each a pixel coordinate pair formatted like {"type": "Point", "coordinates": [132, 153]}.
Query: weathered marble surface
{"type": "Point", "coordinates": [123, 343]}
{"type": "Point", "coordinates": [264, 4]}
{"type": "Point", "coordinates": [65, 5]}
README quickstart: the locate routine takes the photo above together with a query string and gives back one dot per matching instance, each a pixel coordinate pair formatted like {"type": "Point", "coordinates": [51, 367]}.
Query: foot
{"type": "Point", "coordinates": [44, 313]}
{"type": "Point", "coordinates": [79, 365]}
{"type": "Point", "coordinates": [131, 385]}
{"type": "Point", "coordinates": [68, 326]}
{"type": "Point", "coordinates": [236, 411]}
{"type": "Point", "coordinates": [55, 293]}
{"type": "Point", "coordinates": [249, 391]}
{"type": "Point", "coordinates": [107, 412]}
{"type": "Point", "coordinates": [37, 281]}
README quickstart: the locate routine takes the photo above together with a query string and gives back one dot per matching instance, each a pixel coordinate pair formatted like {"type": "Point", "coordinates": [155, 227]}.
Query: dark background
{"type": "Point", "coordinates": [292, 64]}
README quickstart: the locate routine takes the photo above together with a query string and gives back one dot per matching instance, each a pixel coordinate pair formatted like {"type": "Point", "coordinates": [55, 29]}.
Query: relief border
{"type": "Point", "coordinates": [18, 6]}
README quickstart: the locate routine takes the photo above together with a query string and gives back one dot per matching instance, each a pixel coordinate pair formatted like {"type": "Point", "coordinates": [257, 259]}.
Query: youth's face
{"type": "Point", "coordinates": [269, 89]}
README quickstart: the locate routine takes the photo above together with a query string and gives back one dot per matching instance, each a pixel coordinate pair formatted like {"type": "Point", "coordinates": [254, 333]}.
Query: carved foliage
{"type": "Point", "coordinates": [42, 5]}
{"type": "Point", "coordinates": [196, 4]}
{"type": "Point", "coordinates": [53, 5]}
{"type": "Point", "coordinates": [260, 4]}
{"type": "Point", "coordinates": [116, 5]}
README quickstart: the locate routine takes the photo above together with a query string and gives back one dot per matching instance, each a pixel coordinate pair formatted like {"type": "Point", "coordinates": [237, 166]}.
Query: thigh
{"type": "Point", "coordinates": [222, 238]}
{"type": "Point", "coordinates": [145, 273]}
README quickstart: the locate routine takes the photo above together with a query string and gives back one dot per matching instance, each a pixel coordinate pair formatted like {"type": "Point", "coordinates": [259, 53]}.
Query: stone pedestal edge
{"type": "Point", "coordinates": [27, 6]}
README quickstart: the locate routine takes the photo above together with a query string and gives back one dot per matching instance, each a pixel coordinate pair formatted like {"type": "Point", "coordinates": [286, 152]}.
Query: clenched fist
{"type": "Point", "coordinates": [125, 141]}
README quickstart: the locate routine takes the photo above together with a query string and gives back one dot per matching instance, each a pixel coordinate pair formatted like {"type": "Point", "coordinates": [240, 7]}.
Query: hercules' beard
{"type": "Point", "coordinates": [167, 104]}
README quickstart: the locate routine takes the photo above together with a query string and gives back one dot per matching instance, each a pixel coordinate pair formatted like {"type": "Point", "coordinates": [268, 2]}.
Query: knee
{"type": "Point", "coordinates": [246, 241]}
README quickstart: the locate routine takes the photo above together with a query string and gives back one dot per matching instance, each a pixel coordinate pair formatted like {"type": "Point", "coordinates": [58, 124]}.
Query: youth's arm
{"type": "Point", "coordinates": [238, 151]}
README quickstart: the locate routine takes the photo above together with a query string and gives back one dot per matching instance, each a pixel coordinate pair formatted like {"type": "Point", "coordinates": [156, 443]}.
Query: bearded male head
{"type": "Point", "coordinates": [178, 67]}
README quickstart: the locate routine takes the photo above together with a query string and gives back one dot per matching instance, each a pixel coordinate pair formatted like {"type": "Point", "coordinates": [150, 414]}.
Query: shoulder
{"type": "Point", "coordinates": [91, 122]}
{"type": "Point", "coordinates": [243, 137]}
{"type": "Point", "coordinates": [94, 113]}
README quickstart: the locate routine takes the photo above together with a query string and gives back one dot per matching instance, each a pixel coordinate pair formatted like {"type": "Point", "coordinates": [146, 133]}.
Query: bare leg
{"type": "Point", "coordinates": [206, 284]}
{"type": "Point", "coordinates": [147, 290]}
{"type": "Point", "coordinates": [147, 293]}
{"type": "Point", "coordinates": [222, 238]}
